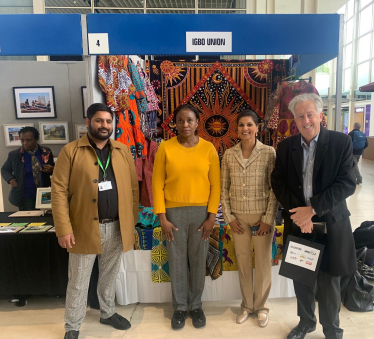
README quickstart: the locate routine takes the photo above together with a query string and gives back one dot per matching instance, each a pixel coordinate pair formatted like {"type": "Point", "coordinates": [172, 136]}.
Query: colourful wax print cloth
{"type": "Point", "coordinates": [214, 257]}
{"type": "Point", "coordinates": [138, 81]}
{"type": "Point", "coordinates": [147, 218]}
{"type": "Point", "coordinates": [120, 95]}
{"type": "Point", "coordinates": [153, 102]}
{"type": "Point", "coordinates": [160, 263]}
{"type": "Point", "coordinates": [145, 238]}
{"type": "Point", "coordinates": [219, 90]}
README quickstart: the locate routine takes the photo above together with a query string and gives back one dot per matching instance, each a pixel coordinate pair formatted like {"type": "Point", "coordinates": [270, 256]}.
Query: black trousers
{"type": "Point", "coordinates": [327, 288]}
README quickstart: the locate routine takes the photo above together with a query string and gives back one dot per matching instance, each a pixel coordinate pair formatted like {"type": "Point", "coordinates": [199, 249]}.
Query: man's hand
{"type": "Point", "coordinates": [302, 215]}
{"type": "Point", "coordinates": [208, 226]}
{"type": "Point", "coordinates": [66, 241]}
{"type": "Point", "coordinates": [236, 227]}
{"type": "Point", "coordinates": [264, 229]}
{"type": "Point", "coordinates": [167, 227]}
{"type": "Point", "coordinates": [307, 227]}
{"type": "Point", "coordinates": [13, 183]}
{"type": "Point", "coordinates": [47, 168]}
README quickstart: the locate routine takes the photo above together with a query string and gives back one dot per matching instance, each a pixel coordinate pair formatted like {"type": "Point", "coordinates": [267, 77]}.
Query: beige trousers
{"type": "Point", "coordinates": [254, 300]}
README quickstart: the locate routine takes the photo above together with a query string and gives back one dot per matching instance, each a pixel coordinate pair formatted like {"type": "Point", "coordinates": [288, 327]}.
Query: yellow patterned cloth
{"type": "Point", "coordinates": [160, 263]}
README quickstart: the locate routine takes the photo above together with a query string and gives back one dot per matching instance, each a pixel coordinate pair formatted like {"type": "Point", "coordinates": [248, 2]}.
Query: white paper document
{"type": "Point", "coordinates": [302, 255]}
{"type": "Point", "coordinates": [27, 214]}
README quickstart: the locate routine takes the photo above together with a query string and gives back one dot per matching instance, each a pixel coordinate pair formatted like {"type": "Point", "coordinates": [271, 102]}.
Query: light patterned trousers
{"type": "Point", "coordinates": [80, 267]}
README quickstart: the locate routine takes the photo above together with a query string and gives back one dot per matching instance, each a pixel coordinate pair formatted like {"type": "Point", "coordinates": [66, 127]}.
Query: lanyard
{"type": "Point", "coordinates": [106, 166]}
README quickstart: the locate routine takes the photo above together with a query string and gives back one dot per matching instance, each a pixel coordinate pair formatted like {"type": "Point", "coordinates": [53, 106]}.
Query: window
{"type": "Point", "coordinates": [363, 3]}
{"type": "Point", "coordinates": [363, 52]}
{"type": "Point", "coordinates": [363, 74]}
{"type": "Point", "coordinates": [350, 8]}
{"type": "Point", "coordinates": [348, 56]}
{"type": "Point", "coordinates": [366, 16]}
{"type": "Point", "coordinates": [347, 80]}
{"type": "Point", "coordinates": [349, 31]}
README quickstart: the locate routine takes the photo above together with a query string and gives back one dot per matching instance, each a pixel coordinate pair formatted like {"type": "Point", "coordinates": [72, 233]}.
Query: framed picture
{"type": "Point", "coordinates": [11, 135]}
{"type": "Point", "coordinates": [34, 102]}
{"type": "Point", "coordinates": [54, 132]}
{"type": "Point", "coordinates": [43, 198]}
{"type": "Point", "coordinates": [84, 101]}
{"type": "Point", "coordinates": [80, 130]}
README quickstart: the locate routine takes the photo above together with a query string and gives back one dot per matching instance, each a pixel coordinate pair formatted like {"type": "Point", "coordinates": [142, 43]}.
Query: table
{"type": "Point", "coordinates": [32, 264]}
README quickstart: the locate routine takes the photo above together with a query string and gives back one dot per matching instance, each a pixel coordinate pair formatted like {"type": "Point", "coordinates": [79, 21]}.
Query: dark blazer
{"type": "Point", "coordinates": [14, 168]}
{"type": "Point", "coordinates": [333, 183]}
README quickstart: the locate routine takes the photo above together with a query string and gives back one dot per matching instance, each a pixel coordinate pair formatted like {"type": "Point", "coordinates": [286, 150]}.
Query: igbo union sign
{"type": "Point", "coordinates": [208, 42]}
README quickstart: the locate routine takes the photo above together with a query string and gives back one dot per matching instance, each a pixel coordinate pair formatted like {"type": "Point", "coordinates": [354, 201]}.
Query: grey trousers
{"type": "Point", "coordinates": [187, 256]}
{"type": "Point", "coordinates": [356, 159]}
{"type": "Point", "coordinates": [329, 300]}
{"type": "Point", "coordinates": [80, 267]}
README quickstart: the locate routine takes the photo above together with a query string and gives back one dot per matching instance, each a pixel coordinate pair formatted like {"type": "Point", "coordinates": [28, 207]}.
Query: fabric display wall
{"type": "Point", "coordinates": [219, 90]}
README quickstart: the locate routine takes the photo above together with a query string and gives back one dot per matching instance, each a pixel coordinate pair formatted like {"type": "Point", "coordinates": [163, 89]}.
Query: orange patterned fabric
{"type": "Point", "coordinates": [119, 89]}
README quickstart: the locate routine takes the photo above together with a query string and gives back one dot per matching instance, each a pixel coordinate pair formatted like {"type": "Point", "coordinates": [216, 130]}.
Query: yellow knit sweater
{"type": "Point", "coordinates": [186, 176]}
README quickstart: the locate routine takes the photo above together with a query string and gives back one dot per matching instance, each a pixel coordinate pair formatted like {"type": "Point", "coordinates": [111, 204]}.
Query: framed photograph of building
{"type": "Point", "coordinates": [43, 198]}
{"type": "Point", "coordinates": [34, 102]}
{"type": "Point", "coordinates": [54, 132]}
{"type": "Point", "coordinates": [80, 130]}
{"type": "Point", "coordinates": [11, 135]}
{"type": "Point", "coordinates": [84, 101]}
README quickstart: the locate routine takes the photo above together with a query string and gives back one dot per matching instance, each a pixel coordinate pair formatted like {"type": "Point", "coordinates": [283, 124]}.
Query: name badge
{"type": "Point", "coordinates": [105, 185]}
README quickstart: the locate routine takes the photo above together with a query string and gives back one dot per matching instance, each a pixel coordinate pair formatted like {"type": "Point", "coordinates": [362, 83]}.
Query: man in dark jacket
{"type": "Point", "coordinates": [27, 168]}
{"type": "Point", "coordinates": [356, 134]}
{"type": "Point", "coordinates": [312, 178]}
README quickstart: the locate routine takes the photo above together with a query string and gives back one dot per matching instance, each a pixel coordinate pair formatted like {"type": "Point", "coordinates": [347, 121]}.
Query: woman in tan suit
{"type": "Point", "coordinates": [248, 200]}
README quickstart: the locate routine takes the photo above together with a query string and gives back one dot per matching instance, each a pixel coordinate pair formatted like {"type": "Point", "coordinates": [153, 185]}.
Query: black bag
{"type": "Point", "coordinates": [356, 293]}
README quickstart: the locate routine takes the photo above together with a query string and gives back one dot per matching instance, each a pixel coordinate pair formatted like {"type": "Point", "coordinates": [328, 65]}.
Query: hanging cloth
{"type": "Point", "coordinates": [115, 81]}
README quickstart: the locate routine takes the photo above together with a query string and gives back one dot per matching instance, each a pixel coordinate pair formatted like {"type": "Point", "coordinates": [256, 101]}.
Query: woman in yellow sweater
{"type": "Point", "coordinates": [186, 193]}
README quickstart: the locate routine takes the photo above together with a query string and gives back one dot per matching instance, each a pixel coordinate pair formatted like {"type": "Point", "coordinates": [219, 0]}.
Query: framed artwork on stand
{"type": "Point", "coordinates": [34, 102]}
{"type": "Point", "coordinates": [84, 101]}
{"type": "Point", "coordinates": [11, 135]}
{"type": "Point", "coordinates": [54, 132]}
{"type": "Point", "coordinates": [80, 130]}
{"type": "Point", "coordinates": [43, 198]}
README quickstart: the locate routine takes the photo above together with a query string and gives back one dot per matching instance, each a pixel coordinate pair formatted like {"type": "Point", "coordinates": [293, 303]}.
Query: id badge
{"type": "Point", "coordinates": [105, 185]}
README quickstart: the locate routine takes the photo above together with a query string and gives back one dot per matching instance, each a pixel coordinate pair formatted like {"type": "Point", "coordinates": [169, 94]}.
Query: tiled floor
{"type": "Point", "coordinates": [43, 318]}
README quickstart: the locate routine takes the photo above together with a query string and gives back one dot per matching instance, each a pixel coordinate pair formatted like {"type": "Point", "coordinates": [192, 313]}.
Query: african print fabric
{"type": "Point", "coordinates": [120, 94]}
{"type": "Point", "coordinates": [144, 238]}
{"type": "Point", "coordinates": [214, 258]}
{"type": "Point", "coordinates": [219, 89]}
{"type": "Point", "coordinates": [160, 263]}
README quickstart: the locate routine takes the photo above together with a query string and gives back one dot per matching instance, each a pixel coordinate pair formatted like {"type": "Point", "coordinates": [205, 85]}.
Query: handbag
{"type": "Point", "coordinates": [356, 293]}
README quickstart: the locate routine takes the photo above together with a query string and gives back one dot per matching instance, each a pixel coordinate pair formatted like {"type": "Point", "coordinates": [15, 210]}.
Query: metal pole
{"type": "Point", "coordinates": [339, 77]}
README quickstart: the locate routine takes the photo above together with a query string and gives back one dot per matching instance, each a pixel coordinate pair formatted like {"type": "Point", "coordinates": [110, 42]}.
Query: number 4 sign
{"type": "Point", "coordinates": [98, 43]}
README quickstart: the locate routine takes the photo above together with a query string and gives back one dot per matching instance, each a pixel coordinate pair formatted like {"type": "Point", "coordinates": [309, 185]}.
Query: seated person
{"type": "Point", "coordinates": [27, 168]}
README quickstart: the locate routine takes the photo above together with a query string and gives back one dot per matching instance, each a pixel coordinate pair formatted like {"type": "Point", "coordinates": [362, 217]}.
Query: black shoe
{"type": "Point", "coordinates": [21, 302]}
{"type": "Point", "coordinates": [300, 331]}
{"type": "Point", "coordinates": [198, 318]}
{"type": "Point", "coordinates": [116, 321]}
{"type": "Point", "coordinates": [178, 320]}
{"type": "Point", "coordinates": [71, 335]}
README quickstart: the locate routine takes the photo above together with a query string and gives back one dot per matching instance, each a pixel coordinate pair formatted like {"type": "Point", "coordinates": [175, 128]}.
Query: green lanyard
{"type": "Point", "coordinates": [106, 166]}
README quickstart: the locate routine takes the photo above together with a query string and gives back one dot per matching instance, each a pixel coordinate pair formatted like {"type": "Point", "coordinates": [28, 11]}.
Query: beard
{"type": "Point", "coordinates": [96, 133]}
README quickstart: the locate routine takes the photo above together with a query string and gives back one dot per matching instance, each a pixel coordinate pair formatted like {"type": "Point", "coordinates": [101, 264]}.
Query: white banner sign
{"type": "Point", "coordinates": [303, 256]}
{"type": "Point", "coordinates": [209, 42]}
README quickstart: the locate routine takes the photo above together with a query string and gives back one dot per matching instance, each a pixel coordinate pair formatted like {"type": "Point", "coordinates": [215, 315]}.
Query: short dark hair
{"type": "Point", "coordinates": [186, 107]}
{"type": "Point", "coordinates": [29, 129]}
{"type": "Point", "coordinates": [91, 111]}
{"type": "Point", "coordinates": [248, 113]}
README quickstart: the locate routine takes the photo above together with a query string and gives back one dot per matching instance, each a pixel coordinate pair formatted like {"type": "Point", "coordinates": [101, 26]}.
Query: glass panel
{"type": "Point", "coordinates": [220, 12]}
{"type": "Point", "coordinates": [348, 56]}
{"type": "Point", "coordinates": [372, 71]}
{"type": "Point", "coordinates": [163, 11]}
{"type": "Point", "coordinates": [347, 80]}
{"type": "Point", "coordinates": [16, 3]}
{"type": "Point", "coordinates": [323, 83]}
{"type": "Point", "coordinates": [342, 10]}
{"type": "Point", "coordinates": [221, 4]}
{"type": "Point", "coordinates": [16, 10]}
{"type": "Point", "coordinates": [68, 10]}
{"type": "Point", "coordinates": [350, 8]}
{"type": "Point", "coordinates": [127, 11]}
{"type": "Point", "coordinates": [349, 31]}
{"type": "Point", "coordinates": [365, 20]}
{"type": "Point", "coordinates": [363, 3]}
{"type": "Point", "coordinates": [18, 57]}
{"type": "Point", "coordinates": [363, 74]}
{"type": "Point", "coordinates": [120, 3]}
{"type": "Point", "coordinates": [170, 4]}
{"type": "Point", "coordinates": [363, 51]}
{"type": "Point", "coordinates": [67, 3]}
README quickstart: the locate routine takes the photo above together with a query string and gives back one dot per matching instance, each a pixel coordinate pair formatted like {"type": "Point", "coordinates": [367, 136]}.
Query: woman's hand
{"type": "Point", "coordinates": [208, 226]}
{"type": "Point", "coordinates": [167, 227]}
{"type": "Point", "coordinates": [48, 168]}
{"type": "Point", "coordinates": [264, 229]}
{"type": "Point", "coordinates": [236, 227]}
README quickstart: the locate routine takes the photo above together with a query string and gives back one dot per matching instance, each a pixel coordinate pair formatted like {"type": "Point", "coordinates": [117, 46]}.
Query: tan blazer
{"type": "Point", "coordinates": [75, 193]}
{"type": "Point", "coordinates": [246, 189]}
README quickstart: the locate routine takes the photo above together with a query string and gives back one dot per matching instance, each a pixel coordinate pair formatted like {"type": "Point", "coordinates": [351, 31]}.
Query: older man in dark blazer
{"type": "Point", "coordinates": [312, 178]}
